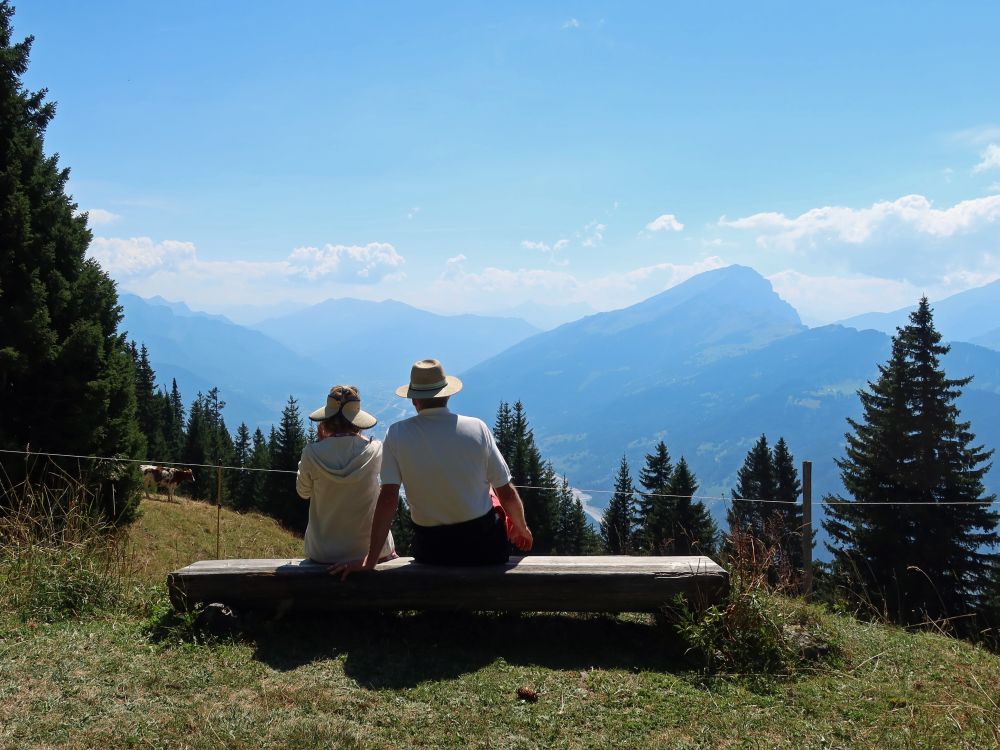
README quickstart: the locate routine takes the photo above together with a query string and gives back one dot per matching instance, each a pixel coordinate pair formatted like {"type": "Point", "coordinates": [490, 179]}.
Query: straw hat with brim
{"type": "Point", "coordinates": [427, 380]}
{"type": "Point", "coordinates": [346, 401]}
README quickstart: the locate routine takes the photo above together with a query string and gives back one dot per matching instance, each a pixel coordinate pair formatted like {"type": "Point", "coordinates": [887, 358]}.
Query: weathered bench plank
{"type": "Point", "coordinates": [528, 584]}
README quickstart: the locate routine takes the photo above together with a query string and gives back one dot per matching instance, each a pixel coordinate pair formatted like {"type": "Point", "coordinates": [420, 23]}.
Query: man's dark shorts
{"type": "Point", "coordinates": [481, 541]}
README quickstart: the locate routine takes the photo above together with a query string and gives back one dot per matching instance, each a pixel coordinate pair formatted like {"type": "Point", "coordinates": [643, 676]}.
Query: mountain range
{"type": "Point", "coordinates": [707, 366]}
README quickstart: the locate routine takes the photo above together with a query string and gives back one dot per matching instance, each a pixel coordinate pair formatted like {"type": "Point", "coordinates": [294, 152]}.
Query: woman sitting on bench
{"type": "Point", "coordinates": [338, 474]}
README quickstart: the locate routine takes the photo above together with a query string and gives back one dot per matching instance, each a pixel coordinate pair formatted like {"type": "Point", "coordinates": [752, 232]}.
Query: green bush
{"type": "Point", "coordinates": [756, 629]}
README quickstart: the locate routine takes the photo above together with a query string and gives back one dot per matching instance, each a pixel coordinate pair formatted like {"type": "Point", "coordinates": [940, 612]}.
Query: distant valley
{"type": "Point", "coordinates": [707, 366]}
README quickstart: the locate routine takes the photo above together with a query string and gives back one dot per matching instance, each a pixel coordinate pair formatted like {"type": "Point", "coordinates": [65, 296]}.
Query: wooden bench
{"type": "Point", "coordinates": [527, 584]}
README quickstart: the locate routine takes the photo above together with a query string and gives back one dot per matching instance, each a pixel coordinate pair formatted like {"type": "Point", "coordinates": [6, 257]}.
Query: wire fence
{"type": "Point", "coordinates": [708, 498]}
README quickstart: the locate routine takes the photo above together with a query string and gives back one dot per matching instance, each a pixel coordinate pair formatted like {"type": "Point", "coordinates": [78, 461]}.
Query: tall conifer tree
{"type": "Point", "coordinates": [688, 526]}
{"type": "Point", "coordinates": [282, 501]}
{"type": "Point", "coordinates": [240, 483]}
{"type": "Point", "coordinates": [66, 377]}
{"type": "Point", "coordinates": [574, 534]}
{"type": "Point", "coordinates": [754, 481]}
{"type": "Point", "coordinates": [618, 526]}
{"type": "Point", "coordinates": [894, 544]}
{"type": "Point", "coordinates": [535, 477]}
{"type": "Point", "coordinates": [654, 505]}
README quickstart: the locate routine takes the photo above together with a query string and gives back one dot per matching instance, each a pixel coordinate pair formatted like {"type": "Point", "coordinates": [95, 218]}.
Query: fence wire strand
{"type": "Point", "coordinates": [709, 498]}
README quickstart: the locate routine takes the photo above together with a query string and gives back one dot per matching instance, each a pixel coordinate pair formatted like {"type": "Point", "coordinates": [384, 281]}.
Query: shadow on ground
{"type": "Point", "coordinates": [401, 650]}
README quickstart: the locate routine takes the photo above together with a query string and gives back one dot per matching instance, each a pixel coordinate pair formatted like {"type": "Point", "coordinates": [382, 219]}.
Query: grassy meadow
{"type": "Point", "coordinates": [129, 673]}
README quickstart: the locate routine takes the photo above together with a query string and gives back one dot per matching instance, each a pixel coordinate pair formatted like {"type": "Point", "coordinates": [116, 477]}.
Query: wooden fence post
{"type": "Point", "coordinates": [218, 511]}
{"type": "Point", "coordinates": [807, 530]}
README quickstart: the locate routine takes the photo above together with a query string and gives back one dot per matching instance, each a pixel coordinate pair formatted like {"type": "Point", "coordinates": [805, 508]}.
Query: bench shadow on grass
{"type": "Point", "coordinates": [391, 651]}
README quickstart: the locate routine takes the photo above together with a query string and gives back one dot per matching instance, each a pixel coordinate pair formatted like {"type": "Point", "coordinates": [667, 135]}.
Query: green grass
{"type": "Point", "coordinates": [168, 536]}
{"type": "Point", "coordinates": [134, 676]}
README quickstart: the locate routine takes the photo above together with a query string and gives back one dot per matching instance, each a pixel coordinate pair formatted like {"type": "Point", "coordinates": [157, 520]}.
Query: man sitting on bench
{"type": "Point", "coordinates": [448, 463]}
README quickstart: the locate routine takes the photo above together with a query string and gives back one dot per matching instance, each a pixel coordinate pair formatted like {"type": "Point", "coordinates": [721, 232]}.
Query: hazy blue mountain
{"type": "Point", "coordinates": [580, 365]}
{"type": "Point", "coordinates": [707, 366]}
{"type": "Point", "coordinates": [990, 339]}
{"type": "Point", "coordinates": [972, 315]}
{"type": "Point", "coordinates": [255, 374]}
{"type": "Point", "coordinates": [182, 310]}
{"type": "Point", "coordinates": [374, 343]}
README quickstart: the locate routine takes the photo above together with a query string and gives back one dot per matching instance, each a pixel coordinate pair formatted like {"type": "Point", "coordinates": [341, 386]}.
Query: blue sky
{"type": "Point", "coordinates": [490, 157]}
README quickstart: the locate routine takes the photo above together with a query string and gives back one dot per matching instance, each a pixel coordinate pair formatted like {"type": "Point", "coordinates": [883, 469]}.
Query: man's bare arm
{"type": "Point", "coordinates": [510, 501]}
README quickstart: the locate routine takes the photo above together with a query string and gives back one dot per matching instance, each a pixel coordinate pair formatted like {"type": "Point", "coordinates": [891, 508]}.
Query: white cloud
{"type": "Point", "coordinates": [571, 24]}
{"type": "Point", "coordinates": [140, 255]}
{"type": "Point", "coordinates": [856, 226]}
{"type": "Point", "coordinates": [99, 216]}
{"type": "Point", "coordinates": [666, 222]}
{"type": "Point", "coordinates": [413, 212]}
{"type": "Point", "coordinates": [994, 188]}
{"type": "Point", "coordinates": [456, 259]}
{"type": "Point", "coordinates": [905, 239]}
{"type": "Point", "coordinates": [308, 274]}
{"type": "Point", "coordinates": [368, 263]}
{"type": "Point", "coordinates": [990, 159]}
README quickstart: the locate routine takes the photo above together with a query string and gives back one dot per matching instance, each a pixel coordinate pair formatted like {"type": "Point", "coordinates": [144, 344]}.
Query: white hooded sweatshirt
{"type": "Point", "coordinates": [339, 476]}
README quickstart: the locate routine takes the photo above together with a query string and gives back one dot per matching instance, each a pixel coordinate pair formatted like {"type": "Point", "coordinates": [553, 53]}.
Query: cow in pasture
{"type": "Point", "coordinates": [164, 476]}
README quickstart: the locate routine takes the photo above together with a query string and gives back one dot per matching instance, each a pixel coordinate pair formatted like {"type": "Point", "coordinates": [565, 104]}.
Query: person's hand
{"type": "Point", "coordinates": [344, 569]}
{"type": "Point", "coordinates": [521, 538]}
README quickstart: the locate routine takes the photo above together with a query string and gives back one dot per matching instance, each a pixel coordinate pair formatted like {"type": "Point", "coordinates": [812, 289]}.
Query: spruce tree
{"type": "Point", "coordinates": [755, 480]}
{"type": "Point", "coordinates": [282, 501]}
{"type": "Point", "coordinates": [66, 376]}
{"type": "Point", "coordinates": [688, 527]}
{"type": "Point", "coordinates": [895, 545]}
{"type": "Point", "coordinates": [618, 525]}
{"type": "Point", "coordinates": [574, 534]}
{"type": "Point", "coordinates": [535, 477]}
{"type": "Point", "coordinates": [654, 505]}
{"type": "Point", "coordinates": [258, 463]}
{"type": "Point", "coordinates": [239, 483]}
{"type": "Point", "coordinates": [503, 431]}
{"type": "Point", "coordinates": [788, 489]}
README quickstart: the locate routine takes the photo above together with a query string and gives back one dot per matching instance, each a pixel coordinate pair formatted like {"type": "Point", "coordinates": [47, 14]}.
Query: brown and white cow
{"type": "Point", "coordinates": [164, 477]}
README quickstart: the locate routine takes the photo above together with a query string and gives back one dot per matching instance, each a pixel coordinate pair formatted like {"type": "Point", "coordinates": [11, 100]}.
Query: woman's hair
{"type": "Point", "coordinates": [337, 423]}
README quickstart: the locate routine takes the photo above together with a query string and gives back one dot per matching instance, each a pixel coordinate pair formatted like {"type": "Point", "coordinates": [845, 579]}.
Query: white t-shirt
{"type": "Point", "coordinates": [446, 463]}
{"type": "Point", "coordinates": [339, 476]}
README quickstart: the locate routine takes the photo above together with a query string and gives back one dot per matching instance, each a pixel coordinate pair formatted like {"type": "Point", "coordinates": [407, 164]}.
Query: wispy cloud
{"type": "Point", "coordinates": [978, 136]}
{"type": "Point", "coordinates": [413, 212]}
{"type": "Point", "coordinates": [592, 234]}
{"type": "Point", "coordinates": [665, 223]}
{"type": "Point", "coordinates": [456, 259]}
{"type": "Point", "coordinates": [572, 23]}
{"type": "Point", "coordinates": [465, 290]}
{"type": "Point", "coordinates": [990, 159]}
{"type": "Point", "coordinates": [551, 251]}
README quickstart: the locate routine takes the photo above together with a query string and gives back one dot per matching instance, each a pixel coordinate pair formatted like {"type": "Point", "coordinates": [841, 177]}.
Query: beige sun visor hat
{"type": "Point", "coordinates": [346, 401]}
{"type": "Point", "coordinates": [428, 380]}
